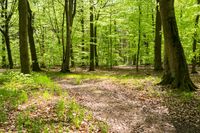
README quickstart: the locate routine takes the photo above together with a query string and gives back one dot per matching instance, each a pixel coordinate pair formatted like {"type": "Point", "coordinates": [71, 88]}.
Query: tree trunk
{"type": "Point", "coordinates": [92, 52]}
{"type": "Point", "coordinates": [111, 41]}
{"type": "Point", "coordinates": [7, 39]}
{"type": "Point", "coordinates": [70, 10]}
{"type": "Point", "coordinates": [35, 65]}
{"type": "Point", "coordinates": [66, 61]}
{"type": "Point", "coordinates": [42, 48]}
{"type": "Point", "coordinates": [83, 35]}
{"type": "Point", "coordinates": [23, 34]}
{"type": "Point", "coordinates": [139, 39]}
{"type": "Point", "coordinates": [95, 46]}
{"type": "Point", "coordinates": [158, 40]}
{"type": "Point", "coordinates": [176, 69]}
{"type": "Point", "coordinates": [6, 15]}
{"type": "Point", "coordinates": [3, 63]}
{"type": "Point", "coordinates": [194, 45]}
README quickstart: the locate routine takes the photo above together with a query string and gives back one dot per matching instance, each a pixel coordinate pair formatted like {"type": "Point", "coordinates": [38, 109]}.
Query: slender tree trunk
{"type": "Point", "coordinates": [72, 56]}
{"type": "Point", "coordinates": [111, 41]}
{"type": "Point", "coordinates": [3, 48]}
{"type": "Point", "coordinates": [92, 52]}
{"type": "Point", "coordinates": [9, 53]}
{"type": "Point", "coordinates": [63, 40]}
{"type": "Point", "coordinates": [95, 46]}
{"type": "Point", "coordinates": [23, 34]}
{"type": "Point", "coordinates": [35, 65]}
{"type": "Point", "coordinates": [42, 48]}
{"type": "Point", "coordinates": [83, 35]}
{"type": "Point", "coordinates": [158, 41]}
{"type": "Point", "coordinates": [70, 11]}
{"type": "Point", "coordinates": [194, 45]}
{"type": "Point", "coordinates": [176, 69]}
{"type": "Point", "coordinates": [139, 39]}
{"type": "Point", "coordinates": [6, 15]}
{"type": "Point", "coordinates": [3, 53]}
{"type": "Point", "coordinates": [66, 62]}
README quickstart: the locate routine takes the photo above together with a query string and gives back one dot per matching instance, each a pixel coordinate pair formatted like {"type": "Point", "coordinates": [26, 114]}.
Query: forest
{"type": "Point", "coordinates": [100, 66]}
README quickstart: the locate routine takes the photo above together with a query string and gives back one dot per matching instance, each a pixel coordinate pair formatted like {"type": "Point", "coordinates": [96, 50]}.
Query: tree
{"type": "Point", "coordinates": [70, 10]}
{"type": "Point", "coordinates": [176, 69]}
{"type": "Point", "coordinates": [23, 34]}
{"type": "Point", "coordinates": [7, 14]}
{"type": "Point", "coordinates": [83, 33]}
{"type": "Point", "coordinates": [139, 37]}
{"type": "Point", "coordinates": [35, 65]}
{"type": "Point", "coordinates": [92, 40]}
{"type": "Point", "coordinates": [194, 45]}
{"type": "Point", "coordinates": [158, 40]}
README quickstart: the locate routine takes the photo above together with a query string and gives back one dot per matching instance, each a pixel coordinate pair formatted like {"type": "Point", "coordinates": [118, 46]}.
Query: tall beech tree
{"type": "Point", "coordinates": [35, 64]}
{"type": "Point", "coordinates": [70, 12]}
{"type": "Point", "coordinates": [176, 70]}
{"type": "Point", "coordinates": [158, 40]}
{"type": "Point", "coordinates": [23, 36]}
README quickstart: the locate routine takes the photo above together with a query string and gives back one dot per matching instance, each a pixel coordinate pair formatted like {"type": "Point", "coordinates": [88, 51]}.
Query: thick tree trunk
{"type": "Point", "coordinates": [176, 69]}
{"type": "Point", "coordinates": [158, 40]}
{"type": "Point", "coordinates": [35, 65]}
{"type": "Point", "coordinates": [194, 45]}
{"type": "Point", "coordinates": [92, 52]}
{"type": "Point", "coordinates": [23, 34]}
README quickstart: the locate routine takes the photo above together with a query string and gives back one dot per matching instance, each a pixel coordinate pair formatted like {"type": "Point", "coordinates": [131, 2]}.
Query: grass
{"type": "Point", "coordinates": [39, 105]}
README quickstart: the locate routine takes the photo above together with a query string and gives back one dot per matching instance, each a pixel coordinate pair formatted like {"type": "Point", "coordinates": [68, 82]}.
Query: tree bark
{"type": "Point", "coordinates": [35, 65]}
{"type": "Point", "coordinates": [23, 34]}
{"type": "Point", "coordinates": [176, 69]}
{"type": "Point", "coordinates": [158, 40]}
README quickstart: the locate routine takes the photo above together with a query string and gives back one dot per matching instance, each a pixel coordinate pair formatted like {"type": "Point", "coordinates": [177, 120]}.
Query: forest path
{"type": "Point", "coordinates": [122, 103]}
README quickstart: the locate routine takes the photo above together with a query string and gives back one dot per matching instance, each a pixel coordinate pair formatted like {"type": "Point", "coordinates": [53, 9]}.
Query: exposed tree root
{"type": "Point", "coordinates": [166, 80]}
{"type": "Point", "coordinates": [65, 71]}
{"type": "Point", "coordinates": [184, 84]}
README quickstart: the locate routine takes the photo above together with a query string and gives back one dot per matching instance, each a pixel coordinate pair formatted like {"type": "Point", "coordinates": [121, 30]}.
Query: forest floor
{"type": "Point", "coordinates": [119, 100]}
{"type": "Point", "coordinates": [131, 102]}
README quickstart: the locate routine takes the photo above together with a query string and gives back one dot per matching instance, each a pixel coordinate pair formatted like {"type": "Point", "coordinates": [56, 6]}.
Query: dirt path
{"type": "Point", "coordinates": [125, 110]}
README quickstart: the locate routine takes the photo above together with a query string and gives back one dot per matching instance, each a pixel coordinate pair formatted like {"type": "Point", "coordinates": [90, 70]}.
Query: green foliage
{"type": "Point", "coordinates": [103, 127]}
{"type": "Point", "coordinates": [17, 88]}
{"type": "Point", "coordinates": [75, 113]}
{"type": "Point", "coordinates": [70, 111]}
{"type": "Point", "coordinates": [60, 109]}
{"type": "Point", "coordinates": [31, 125]}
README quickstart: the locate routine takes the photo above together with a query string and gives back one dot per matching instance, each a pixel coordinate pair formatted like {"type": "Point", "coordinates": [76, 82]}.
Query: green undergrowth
{"type": "Point", "coordinates": [17, 91]}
